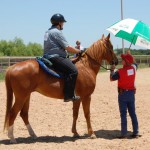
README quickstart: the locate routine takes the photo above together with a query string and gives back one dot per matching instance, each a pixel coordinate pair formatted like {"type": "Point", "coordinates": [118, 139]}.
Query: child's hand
{"type": "Point", "coordinates": [112, 67]}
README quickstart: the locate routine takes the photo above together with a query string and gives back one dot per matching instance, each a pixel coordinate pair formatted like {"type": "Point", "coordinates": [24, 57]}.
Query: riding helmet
{"type": "Point", "coordinates": [57, 18]}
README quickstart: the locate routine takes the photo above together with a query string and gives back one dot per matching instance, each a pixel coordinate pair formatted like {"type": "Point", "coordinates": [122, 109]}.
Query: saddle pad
{"type": "Point", "coordinates": [48, 70]}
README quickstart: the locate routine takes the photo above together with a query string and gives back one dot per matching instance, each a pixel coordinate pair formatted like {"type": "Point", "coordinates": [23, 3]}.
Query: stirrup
{"type": "Point", "coordinates": [73, 99]}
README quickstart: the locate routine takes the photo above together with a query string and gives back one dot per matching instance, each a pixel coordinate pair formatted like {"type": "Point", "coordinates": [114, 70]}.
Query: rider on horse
{"type": "Point", "coordinates": [56, 48]}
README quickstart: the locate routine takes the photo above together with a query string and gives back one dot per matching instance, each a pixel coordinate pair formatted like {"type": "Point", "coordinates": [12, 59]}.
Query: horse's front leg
{"type": "Point", "coordinates": [76, 106]}
{"type": "Point", "coordinates": [86, 108]}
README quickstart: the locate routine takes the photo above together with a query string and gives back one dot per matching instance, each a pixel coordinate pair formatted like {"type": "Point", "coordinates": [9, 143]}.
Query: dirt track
{"type": "Point", "coordinates": [52, 120]}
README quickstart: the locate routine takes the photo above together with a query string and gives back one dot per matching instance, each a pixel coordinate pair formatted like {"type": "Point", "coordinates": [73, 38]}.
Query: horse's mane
{"type": "Point", "coordinates": [96, 50]}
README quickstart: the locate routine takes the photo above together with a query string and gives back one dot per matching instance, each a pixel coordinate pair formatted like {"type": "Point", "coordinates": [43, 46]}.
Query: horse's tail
{"type": "Point", "coordinates": [9, 98]}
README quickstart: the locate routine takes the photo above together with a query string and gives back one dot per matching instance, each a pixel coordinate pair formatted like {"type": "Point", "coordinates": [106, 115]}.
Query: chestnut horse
{"type": "Point", "coordinates": [25, 77]}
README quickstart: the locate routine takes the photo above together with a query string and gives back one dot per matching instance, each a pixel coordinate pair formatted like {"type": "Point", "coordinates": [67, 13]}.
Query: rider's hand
{"type": "Point", "coordinates": [81, 52]}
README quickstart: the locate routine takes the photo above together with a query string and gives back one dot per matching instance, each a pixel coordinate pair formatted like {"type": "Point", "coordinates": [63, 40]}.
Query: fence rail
{"type": "Point", "coordinates": [142, 61]}
{"type": "Point", "coordinates": [8, 61]}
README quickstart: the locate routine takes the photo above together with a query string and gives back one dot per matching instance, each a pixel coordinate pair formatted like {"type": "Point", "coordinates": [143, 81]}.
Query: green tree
{"type": "Point", "coordinates": [134, 51]}
{"type": "Point", "coordinates": [3, 46]}
{"type": "Point", "coordinates": [17, 47]}
{"type": "Point", "coordinates": [35, 48]}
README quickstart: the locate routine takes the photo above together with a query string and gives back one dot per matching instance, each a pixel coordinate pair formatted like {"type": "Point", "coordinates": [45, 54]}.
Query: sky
{"type": "Point", "coordinates": [86, 20]}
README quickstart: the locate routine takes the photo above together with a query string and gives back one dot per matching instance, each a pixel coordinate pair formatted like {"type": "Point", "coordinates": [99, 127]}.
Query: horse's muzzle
{"type": "Point", "coordinates": [114, 62]}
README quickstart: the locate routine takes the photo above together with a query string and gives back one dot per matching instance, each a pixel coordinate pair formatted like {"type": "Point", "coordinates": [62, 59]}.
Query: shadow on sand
{"type": "Point", "coordinates": [108, 134]}
{"type": "Point", "coordinates": [104, 134]}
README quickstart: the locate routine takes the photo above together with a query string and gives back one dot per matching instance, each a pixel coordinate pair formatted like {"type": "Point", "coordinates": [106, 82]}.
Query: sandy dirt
{"type": "Point", "coordinates": [51, 120]}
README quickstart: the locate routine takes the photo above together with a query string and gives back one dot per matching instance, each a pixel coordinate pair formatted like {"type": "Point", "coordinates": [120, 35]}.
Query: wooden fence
{"type": "Point", "coordinates": [142, 61]}
{"type": "Point", "coordinates": [8, 61]}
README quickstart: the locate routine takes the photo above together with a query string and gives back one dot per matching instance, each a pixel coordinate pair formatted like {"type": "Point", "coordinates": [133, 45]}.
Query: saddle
{"type": "Point", "coordinates": [47, 65]}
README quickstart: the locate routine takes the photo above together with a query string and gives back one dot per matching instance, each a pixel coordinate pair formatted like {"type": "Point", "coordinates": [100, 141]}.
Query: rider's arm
{"type": "Point", "coordinates": [64, 44]}
{"type": "Point", "coordinates": [72, 49]}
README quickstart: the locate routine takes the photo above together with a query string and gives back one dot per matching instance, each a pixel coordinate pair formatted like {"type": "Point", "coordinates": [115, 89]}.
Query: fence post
{"type": "Point", "coordinates": [9, 61]}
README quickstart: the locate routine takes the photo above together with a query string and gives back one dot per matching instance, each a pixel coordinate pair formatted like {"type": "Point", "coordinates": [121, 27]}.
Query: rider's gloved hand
{"type": "Point", "coordinates": [81, 52]}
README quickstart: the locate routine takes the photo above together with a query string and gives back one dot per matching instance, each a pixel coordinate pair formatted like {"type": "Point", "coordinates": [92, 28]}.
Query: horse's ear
{"type": "Point", "coordinates": [103, 37]}
{"type": "Point", "coordinates": [108, 37]}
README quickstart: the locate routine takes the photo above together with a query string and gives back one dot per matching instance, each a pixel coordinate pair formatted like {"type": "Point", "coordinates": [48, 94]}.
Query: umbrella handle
{"type": "Point", "coordinates": [131, 42]}
{"type": "Point", "coordinates": [130, 45]}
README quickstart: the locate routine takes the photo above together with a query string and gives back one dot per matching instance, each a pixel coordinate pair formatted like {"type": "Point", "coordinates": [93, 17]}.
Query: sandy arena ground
{"type": "Point", "coordinates": [52, 120]}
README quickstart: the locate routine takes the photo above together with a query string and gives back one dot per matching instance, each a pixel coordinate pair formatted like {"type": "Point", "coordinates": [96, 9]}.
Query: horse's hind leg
{"type": "Point", "coordinates": [24, 116]}
{"type": "Point", "coordinates": [86, 108]}
{"type": "Point", "coordinates": [12, 116]}
{"type": "Point", "coordinates": [76, 106]}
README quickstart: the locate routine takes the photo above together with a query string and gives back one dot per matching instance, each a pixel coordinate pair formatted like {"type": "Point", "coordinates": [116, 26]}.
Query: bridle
{"type": "Point", "coordinates": [113, 62]}
{"type": "Point", "coordinates": [96, 61]}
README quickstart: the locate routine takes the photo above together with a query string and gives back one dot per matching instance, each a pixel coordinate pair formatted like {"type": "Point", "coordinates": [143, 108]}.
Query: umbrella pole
{"type": "Point", "coordinates": [131, 42]}
{"type": "Point", "coordinates": [130, 45]}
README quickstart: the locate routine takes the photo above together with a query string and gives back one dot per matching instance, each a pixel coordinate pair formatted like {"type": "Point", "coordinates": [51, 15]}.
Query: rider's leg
{"type": "Point", "coordinates": [66, 66]}
{"type": "Point", "coordinates": [69, 88]}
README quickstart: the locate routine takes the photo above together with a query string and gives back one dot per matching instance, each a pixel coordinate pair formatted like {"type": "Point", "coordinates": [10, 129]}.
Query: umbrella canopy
{"type": "Point", "coordinates": [134, 31]}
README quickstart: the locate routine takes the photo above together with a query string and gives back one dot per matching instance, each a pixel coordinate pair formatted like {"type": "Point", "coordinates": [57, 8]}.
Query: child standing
{"type": "Point", "coordinates": [126, 93]}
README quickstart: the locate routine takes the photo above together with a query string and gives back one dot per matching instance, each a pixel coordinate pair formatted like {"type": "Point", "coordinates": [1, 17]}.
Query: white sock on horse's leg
{"type": "Point", "coordinates": [30, 130]}
{"type": "Point", "coordinates": [11, 134]}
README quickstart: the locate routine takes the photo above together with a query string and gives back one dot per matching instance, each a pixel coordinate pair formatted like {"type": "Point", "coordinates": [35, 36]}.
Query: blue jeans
{"type": "Point", "coordinates": [70, 71]}
{"type": "Point", "coordinates": [126, 102]}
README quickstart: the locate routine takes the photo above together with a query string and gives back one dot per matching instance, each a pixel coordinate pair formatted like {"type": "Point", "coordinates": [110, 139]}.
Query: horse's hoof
{"type": "Point", "coordinates": [34, 136]}
{"type": "Point", "coordinates": [76, 136]}
{"type": "Point", "coordinates": [93, 136]}
{"type": "Point", "coordinates": [13, 141]}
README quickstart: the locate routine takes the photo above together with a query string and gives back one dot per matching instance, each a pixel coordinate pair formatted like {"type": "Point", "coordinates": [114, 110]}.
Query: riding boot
{"type": "Point", "coordinates": [69, 88]}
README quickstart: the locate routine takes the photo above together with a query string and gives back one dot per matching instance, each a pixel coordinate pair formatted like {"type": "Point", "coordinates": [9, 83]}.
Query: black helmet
{"type": "Point", "coordinates": [56, 18]}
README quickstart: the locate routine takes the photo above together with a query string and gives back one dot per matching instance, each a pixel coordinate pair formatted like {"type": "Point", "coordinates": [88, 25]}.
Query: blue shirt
{"type": "Point", "coordinates": [55, 42]}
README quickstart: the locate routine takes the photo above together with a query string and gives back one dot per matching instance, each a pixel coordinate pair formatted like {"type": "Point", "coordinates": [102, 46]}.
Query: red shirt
{"type": "Point", "coordinates": [127, 78]}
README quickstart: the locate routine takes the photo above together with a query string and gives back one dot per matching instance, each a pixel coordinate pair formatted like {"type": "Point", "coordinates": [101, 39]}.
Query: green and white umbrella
{"type": "Point", "coordinates": [134, 31]}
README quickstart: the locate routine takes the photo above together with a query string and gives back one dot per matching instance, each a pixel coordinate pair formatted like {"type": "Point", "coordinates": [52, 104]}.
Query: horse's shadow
{"type": "Point", "coordinates": [104, 134]}
{"type": "Point", "coordinates": [40, 139]}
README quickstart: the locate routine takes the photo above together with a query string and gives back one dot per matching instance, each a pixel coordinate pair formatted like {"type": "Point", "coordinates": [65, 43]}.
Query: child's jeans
{"type": "Point", "coordinates": [127, 102]}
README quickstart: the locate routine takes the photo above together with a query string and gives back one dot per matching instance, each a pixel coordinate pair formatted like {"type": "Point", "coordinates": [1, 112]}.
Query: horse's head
{"type": "Point", "coordinates": [109, 54]}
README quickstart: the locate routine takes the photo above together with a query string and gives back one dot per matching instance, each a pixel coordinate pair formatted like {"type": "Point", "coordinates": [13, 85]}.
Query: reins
{"type": "Point", "coordinates": [95, 60]}
{"type": "Point", "coordinates": [104, 67]}
{"type": "Point", "coordinates": [85, 52]}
